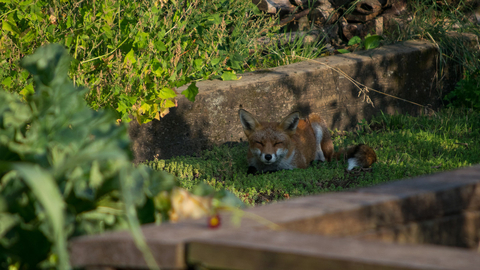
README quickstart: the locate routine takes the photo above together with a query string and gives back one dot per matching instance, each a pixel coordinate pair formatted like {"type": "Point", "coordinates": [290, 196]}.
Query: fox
{"type": "Point", "coordinates": [295, 143]}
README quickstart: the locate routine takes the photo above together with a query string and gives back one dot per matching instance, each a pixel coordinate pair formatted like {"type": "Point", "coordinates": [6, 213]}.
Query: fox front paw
{"type": "Point", "coordinates": [251, 170]}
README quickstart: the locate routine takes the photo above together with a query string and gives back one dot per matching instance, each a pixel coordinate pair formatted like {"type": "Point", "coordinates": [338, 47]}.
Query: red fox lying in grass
{"type": "Point", "coordinates": [295, 143]}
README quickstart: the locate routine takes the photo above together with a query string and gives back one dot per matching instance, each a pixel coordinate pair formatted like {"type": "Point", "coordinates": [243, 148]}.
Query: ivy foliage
{"type": "Point", "coordinates": [467, 92]}
{"type": "Point", "coordinates": [133, 55]}
{"type": "Point", "coordinates": [65, 169]}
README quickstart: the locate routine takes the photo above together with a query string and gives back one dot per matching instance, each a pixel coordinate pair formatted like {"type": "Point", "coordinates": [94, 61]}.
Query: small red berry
{"type": "Point", "coordinates": [214, 222]}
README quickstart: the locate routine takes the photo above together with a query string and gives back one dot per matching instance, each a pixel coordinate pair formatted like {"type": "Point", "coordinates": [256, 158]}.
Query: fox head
{"type": "Point", "coordinates": [270, 142]}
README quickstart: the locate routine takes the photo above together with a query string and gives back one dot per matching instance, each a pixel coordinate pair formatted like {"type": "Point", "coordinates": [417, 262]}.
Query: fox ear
{"type": "Point", "coordinates": [249, 122]}
{"type": "Point", "coordinates": [289, 124]}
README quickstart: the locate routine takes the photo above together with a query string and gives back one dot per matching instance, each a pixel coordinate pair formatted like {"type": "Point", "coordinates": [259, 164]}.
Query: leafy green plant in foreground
{"type": "Point", "coordinates": [406, 146]}
{"type": "Point", "coordinates": [65, 170]}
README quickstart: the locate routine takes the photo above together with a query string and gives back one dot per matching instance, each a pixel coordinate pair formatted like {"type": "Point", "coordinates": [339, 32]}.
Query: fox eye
{"type": "Point", "coordinates": [277, 143]}
{"type": "Point", "coordinates": [257, 142]}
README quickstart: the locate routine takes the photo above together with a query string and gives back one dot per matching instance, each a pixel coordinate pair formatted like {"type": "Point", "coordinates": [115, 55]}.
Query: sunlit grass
{"type": "Point", "coordinates": [406, 146]}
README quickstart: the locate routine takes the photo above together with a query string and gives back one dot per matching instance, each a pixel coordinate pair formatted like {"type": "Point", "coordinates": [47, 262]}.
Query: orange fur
{"type": "Point", "coordinates": [294, 143]}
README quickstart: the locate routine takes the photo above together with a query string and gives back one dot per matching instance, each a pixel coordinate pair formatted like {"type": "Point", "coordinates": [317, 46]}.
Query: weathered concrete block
{"type": "Point", "coordinates": [407, 70]}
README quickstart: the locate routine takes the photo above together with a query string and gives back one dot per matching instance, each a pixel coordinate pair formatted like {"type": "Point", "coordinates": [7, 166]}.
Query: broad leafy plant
{"type": "Point", "coordinates": [65, 170]}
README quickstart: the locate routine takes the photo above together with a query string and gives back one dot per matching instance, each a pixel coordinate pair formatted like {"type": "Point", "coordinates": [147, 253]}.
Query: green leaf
{"type": "Point", "coordinates": [229, 76]}
{"type": "Point", "coordinates": [169, 103]}
{"type": "Point", "coordinates": [127, 177]}
{"type": "Point", "coordinates": [130, 57]}
{"type": "Point", "coordinates": [68, 41]}
{"type": "Point", "coordinates": [226, 198]}
{"type": "Point", "coordinates": [160, 46]}
{"type": "Point", "coordinates": [45, 189]}
{"type": "Point", "coordinates": [354, 40]}
{"type": "Point", "coordinates": [122, 107]}
{"type": "Point", "coordinates": [255, 8]}
{"type": "Point", "coordinates": [27, 90]}
{"type": "Point", "coordinates": [49, 65]}
{"type": "Point", "coordinates": [96, 177]}
{"type": "Point", "coordinates": [7, 82]}
{"type": "Point", "coordinates": [372, 42]}
{"type": "Point", "coordinates": [141, 40]}
{"type": "Point", "coordinates": [107, 30]}
{"type": "Point", "coordinates": [7, 221]}
{"type": "Point", "coordinates": [343, 51]}
{"type": "Point", "coordinates": [235, 61]}
{"type": "Point", "coordinates": [69, 22]}
{"type": "Point", "coordinates": [145, 107]}
{"type": "Point", "coordinates": [203, 189]}
{"type": "Point", "coordinates": [11, 27]}
{"type": "Point", "coordinates": [215, 61]}
{"type": "Point", "coordinates": [191, 92]}
{"type": "Point", "coordinates": [215, 18]}
{"type": "Point", "coordinates": [198, 64]}
{"type": "Point", "coordinates": [166, 93]}
{"type": "Point", "coordinates": [29, 37]}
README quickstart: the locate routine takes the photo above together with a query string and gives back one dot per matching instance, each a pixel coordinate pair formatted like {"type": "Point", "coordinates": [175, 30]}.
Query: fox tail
{"type": "Point", "coordinates": [360, 155]}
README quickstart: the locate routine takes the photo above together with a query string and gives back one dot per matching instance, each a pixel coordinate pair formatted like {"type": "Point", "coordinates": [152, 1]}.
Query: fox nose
{"type": "Point", "coordinates": [268, 157]}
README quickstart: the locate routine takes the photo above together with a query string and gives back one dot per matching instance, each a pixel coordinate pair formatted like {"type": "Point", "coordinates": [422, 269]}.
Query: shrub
{"type": "Point", "coordinates": [65, 169]}
{"type": "Point", "coordinates": [467, 92]}
{"type": "Point", "coordinates": [133, 54]}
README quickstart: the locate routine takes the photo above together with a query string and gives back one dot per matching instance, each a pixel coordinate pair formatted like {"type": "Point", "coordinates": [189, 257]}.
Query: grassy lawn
{"type": "Point", "coordinates": [406, 146]}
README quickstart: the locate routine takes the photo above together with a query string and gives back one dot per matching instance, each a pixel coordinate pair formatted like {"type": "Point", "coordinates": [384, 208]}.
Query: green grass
{"type": "Point", "coordinates": [439, 23]}
{"type": "Point", "coordinates": [406, 146]}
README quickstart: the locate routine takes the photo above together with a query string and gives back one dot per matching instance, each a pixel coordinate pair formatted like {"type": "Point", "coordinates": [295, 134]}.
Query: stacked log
{"type": "Point", "coordinates": [348, 17]}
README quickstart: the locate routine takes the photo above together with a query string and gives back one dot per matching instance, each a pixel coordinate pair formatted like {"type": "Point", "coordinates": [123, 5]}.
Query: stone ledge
{"type": "Point", "coordinates": [407, 70]}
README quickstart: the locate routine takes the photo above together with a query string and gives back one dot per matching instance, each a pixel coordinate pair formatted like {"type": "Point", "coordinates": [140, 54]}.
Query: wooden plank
{"type": "Point", "coordinates": [370, 212]}
{"type": "Point", "coordinates": [461, 230]}
{"type": "Point", "coordinates": [350, 213]}
{"type": "Point", "coordinates": [290, 250]}
{"type": "Point", "coordinates": [118, 250]}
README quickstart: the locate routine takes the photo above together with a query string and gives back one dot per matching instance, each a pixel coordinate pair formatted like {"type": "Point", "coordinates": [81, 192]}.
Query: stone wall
{"type": "Point", "coordinates": [407, 70]}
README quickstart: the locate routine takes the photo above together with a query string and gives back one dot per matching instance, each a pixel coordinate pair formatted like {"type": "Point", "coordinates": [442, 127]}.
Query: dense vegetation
{"type": "Point", "coordinates": [65, 170]}
{"type": "Point", "coordinates": [133, 55]}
